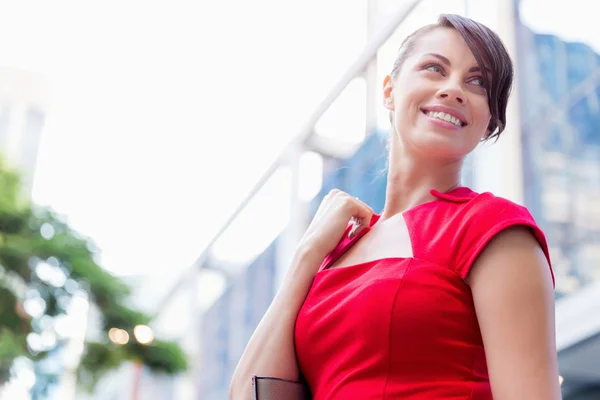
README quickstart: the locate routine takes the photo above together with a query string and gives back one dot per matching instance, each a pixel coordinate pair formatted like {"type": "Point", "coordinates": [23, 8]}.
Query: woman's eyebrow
{"type": "Point", "coordinates": [440, 57]}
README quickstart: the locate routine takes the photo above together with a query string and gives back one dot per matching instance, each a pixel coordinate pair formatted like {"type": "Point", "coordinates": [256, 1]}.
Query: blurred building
{"type": "Point", "coordinates": [548, 159]}
{"type": "Point", "coordinates": [24, 102]}
{"type": "Point", "coordinates": [560, 130]}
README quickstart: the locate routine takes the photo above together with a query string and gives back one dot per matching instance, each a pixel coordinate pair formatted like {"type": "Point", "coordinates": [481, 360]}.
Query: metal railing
{"type": "Point", "coordinates": [357, 69]}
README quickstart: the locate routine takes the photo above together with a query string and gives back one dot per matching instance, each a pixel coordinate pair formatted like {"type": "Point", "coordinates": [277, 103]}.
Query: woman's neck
{"type": "Point", "coordinates": [410, 181]}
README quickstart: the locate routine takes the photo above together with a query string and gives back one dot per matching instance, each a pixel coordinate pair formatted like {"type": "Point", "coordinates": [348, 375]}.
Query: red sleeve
{"type": "Point", "coordinates": [484, 217]}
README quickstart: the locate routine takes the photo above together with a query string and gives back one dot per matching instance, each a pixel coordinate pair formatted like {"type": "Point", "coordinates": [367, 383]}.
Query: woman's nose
{"type": "Point", "coordinates": [459, 97]}
{"type": "Point", "coordinates": [452, 91]}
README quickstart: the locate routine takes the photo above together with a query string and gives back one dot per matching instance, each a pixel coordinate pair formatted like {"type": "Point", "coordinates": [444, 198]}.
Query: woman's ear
{"type": "Point", "coordinates": [388, 93]}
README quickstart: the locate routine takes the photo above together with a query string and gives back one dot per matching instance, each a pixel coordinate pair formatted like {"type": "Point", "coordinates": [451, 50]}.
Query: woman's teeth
{"type": "Point", "coordinates": [445, 117]}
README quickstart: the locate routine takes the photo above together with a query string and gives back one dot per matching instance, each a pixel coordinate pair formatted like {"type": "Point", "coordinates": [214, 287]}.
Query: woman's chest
{"type": "Point", "coordinates": [403, 287]}
{"type": "Point", "coordinates": [353, 313]}
{"type": "Point", "coordinates": [386, 239]}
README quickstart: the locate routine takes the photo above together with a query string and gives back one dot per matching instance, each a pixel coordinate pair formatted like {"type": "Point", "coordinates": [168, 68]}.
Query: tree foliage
{"type": "Point", "coordinates": [44, 265]}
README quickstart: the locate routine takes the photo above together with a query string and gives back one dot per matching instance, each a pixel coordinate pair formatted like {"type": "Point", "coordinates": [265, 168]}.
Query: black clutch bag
{"type": "Point", "coordinates": [264, 388]}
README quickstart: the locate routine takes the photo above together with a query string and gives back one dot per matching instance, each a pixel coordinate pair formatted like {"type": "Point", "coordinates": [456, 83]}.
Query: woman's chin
{"type": "Point", "coordinates": [443, 148]}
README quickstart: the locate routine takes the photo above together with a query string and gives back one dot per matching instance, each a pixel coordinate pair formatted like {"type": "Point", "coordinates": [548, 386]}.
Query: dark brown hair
{"type": "Point", "coordinates": [490, 53]}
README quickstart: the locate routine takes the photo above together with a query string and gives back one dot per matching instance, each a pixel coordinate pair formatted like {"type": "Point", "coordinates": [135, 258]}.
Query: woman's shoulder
{"type": "Point", "coordinates": [458, 228]}
{"type": "Point", "coordinates": [463, 211]}
{"type": "Point", "coordinates": [487, 205]}
{"type": "Point", "coordinates": [471, 220]}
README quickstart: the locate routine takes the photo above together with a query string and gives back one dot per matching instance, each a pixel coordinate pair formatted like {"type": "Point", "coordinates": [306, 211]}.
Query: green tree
{"type": "Point", "coordinates": [43, 265]}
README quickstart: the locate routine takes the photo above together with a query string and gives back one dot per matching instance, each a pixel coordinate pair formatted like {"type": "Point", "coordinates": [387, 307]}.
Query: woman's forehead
{"type": "Point", "coordinates": [446, 42]}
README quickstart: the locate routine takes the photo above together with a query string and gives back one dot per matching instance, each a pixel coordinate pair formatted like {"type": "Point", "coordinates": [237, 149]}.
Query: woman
{"type": "Point", "coordinates": [448, 294]}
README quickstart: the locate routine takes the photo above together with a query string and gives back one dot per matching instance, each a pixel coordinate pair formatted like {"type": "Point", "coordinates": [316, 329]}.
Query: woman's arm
{"type": "Point", "coordinates": [514, 301]}
{"type": "Point", "coordinates": [271, 351]}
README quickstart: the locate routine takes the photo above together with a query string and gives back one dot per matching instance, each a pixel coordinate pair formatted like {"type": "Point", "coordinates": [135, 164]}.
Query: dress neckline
{"type": "Point", "coordinates": [460, 194]}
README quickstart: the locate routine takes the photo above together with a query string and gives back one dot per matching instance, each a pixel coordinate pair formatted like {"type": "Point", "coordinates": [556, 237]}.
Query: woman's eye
{"type": "Point", "coordinates": [434, 68]}
{"type": "Point", "coordinates": [478, 82]}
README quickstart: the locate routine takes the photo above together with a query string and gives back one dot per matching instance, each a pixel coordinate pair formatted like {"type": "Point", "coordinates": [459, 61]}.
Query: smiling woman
{"type": "Point", "coordinates": [473, 67]}
{"type": "Point", "coordinates": [448, 293]}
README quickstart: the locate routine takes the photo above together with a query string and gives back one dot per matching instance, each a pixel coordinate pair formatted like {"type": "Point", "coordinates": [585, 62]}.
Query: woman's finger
{"type": "Point", "coordinates": [362, 217]}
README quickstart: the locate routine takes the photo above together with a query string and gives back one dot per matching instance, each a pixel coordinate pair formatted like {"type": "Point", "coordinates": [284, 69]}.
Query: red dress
{"type": "Point", "coordinates": [406, 328]}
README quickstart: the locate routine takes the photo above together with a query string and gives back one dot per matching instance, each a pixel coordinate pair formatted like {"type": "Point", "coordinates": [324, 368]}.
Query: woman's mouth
{"type": "Point", "coordinates": [445, 117]}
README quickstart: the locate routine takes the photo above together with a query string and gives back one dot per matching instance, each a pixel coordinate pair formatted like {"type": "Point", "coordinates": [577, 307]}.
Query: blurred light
{"type": "Point", "coordinates": [311, 175]}
{"type": "Point", "coordinates": [118, 336]}
{"type": "Point", "coordinates": [53, 261]}
{"type": "Point", "coordinates": [51, 365]}
{"type": "Point", "coordinates": [47, 231]}
{"type": "Point", "coordinates": [560, 380]}
{"type": "Point", "coordinates": [46, 322]}
{"type": "Point", "coordinates": [64, 302]}
{"type": "Point", "coordinates": [50, 272]}
{"type": "Point", "coordinates": [79, 302]}
{"type": "Point", "coordinates": [23, 370]}
{"type": "Point", "coordinates": [143, 334]}
{"type": "Point", "coordinates": [72, 355]}
{"type": "Point", "coordinates": [33, 262]}
{"type": "Point", "coordinates": [48, 339]}
{"type": "Point", "coordinates": [35, 343]}
{"type": "Point", "coordinates": [34, 291]}
{"type": "Point", "coordinates": [35, 306]}
{"type": "Point", "coordinates": [71, 286]}
{"type": "Point", "coordinates": [62, 326]}
{"type": "Point", "coordinates": [14, 390]}
{"type": "Point", "coordinates": [44, 271]}
{"type": "Point", "coordinates": [58, 279]}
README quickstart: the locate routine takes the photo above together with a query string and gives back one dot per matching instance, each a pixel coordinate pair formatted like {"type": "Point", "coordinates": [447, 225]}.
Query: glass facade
{"type": "Point", "coordinates": [560, 119]}
{"type": "Point", "coordinates": [229, 323]}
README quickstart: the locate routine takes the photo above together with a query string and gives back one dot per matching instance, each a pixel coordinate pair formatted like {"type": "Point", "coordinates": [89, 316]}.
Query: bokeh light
{"type": "Point", "coordinates": [63, 326]}
{"type": "Point", "coordinates": [35, 342]}
{"type": "Point", "coordinates": [35, 306]}
{"type": "Point", "coordinates": [118, 336]}
{"type": "Point", "coordinates": [143, 334]}
{"type": "Point", "coordinates": [48, 339]}
{"type": "Point", "coordinates": [49, 271]}
{"type": "Point", "coordinates": [47, 231]}
{"type": "Point", "coordinates": [23, 371]}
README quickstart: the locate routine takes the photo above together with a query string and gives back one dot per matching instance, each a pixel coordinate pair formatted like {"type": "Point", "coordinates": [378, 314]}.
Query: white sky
{"type": "Point", "coordinates": [163, 116]}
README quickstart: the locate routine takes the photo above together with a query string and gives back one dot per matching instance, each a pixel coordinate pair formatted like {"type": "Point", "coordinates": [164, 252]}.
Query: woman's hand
{"type": "Point", "coordinates": [329, 224]}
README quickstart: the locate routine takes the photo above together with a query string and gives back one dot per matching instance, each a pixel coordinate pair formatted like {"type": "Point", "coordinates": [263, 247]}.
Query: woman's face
{"type": "Point", "coordinates": [440, 107]}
